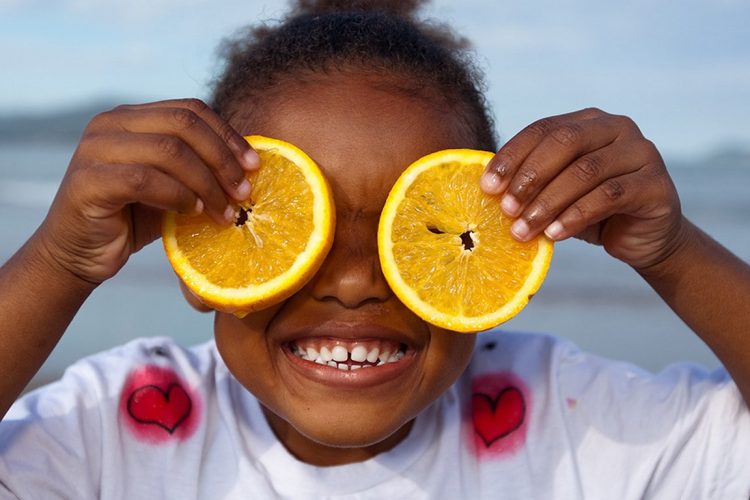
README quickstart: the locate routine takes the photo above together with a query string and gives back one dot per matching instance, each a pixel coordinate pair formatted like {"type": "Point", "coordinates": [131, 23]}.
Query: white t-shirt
{"type": "Point", "coordinates": [532, 417]}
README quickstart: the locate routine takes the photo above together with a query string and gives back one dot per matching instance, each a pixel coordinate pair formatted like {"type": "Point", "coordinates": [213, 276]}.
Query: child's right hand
{"type": "Point", "coordinates": [132, 163]}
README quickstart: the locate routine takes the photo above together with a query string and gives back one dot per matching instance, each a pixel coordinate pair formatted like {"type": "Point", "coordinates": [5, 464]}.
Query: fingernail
{"type": "Point", "coordinates": [510, 205]}
{"type": "Point", "coordinates": [554, 230]}
{"type": "Point", "coordinates": [243, 190]}
{"type": "Point", "coordinates": [198, 209]}
{"type": "Point", "coordinates": [250, 160]}
{"type": "Point", "coordinates": [490, 183]}
{"type": "Point", "coordinates": [520, 229]}
{"type": "Point", "coordinates": [230, 214]}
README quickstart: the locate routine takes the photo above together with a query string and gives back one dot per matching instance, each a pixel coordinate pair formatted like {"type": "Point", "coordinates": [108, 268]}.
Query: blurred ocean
{"type": "Point", "coordinates": [599, 303]}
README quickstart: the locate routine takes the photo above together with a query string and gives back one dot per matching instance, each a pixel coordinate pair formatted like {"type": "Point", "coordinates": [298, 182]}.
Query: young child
{"type": "Point", "coordinates": [365, 90]}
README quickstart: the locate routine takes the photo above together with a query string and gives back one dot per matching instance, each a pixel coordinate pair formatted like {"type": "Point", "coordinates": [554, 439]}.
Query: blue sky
{"type": "Point", "coordinates": [680, 69]}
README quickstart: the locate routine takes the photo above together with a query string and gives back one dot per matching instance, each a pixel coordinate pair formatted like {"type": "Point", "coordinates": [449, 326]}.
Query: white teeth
{"type": "Point", "coordinates": [325, 354]}
{"type": "Point", "coordinates": [337, 356]}
{"type": "Point", "coordinates": [340, 353]}
{"type": "Point", "coordinates": [372, 356]}
{"type": "Point", "coordinates": [359, 353]}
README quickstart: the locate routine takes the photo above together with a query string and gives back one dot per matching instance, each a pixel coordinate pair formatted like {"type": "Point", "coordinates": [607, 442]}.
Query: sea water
{"type": "Point", "coordinates": [596, 301]}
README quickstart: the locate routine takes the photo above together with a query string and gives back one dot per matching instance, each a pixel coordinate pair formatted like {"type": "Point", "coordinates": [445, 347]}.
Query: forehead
{"type": "Point", "coordinates": [362, 133]}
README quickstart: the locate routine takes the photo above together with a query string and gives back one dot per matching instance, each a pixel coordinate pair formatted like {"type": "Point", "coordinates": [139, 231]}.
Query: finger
{"type": "Point", "coordinates": [505, 163]}
{"type": "Point", "coordinates": [196, 133]}
{"type": "Point", "coordinates": [562, 145]}
{"type": "Point", "coordinates": [170, 155]}
{"type": "Point", "coordinates": [574, 182]}
{"type": "Point", "coordinates": [239, 146]}
{"type": "Point", "coordinates": [609, 198]}
{"type": "Point", "coordinates": [193, 131]}
{"type": "Point", "coordinates": [107, 189]}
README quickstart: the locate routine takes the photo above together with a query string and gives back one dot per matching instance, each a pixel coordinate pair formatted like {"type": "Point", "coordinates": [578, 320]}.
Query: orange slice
{"type": "Point", "coordinates": [446, 248]}
{"type": "Point", "coordinates": [278, 242]}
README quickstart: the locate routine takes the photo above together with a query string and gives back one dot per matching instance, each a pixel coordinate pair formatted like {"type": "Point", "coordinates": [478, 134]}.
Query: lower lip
{"type": "Point", "coordinates": [353, 379]}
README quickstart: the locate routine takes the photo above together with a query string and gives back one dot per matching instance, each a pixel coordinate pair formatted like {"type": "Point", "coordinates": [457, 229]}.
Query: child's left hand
{"type": "Point", "coordinates": [591, 175]}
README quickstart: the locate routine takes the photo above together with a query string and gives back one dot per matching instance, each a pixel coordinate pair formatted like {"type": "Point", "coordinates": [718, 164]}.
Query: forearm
{"type": "Point", "coordinates": [709, 289]}
{"type": "Point", "coordinates": [39, 300]}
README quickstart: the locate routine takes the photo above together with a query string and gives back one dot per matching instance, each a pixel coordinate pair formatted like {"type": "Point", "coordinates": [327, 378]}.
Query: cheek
{"type": "Point", "coordinates": [243, 345]}
{"type": "Point", "coordinates": [448, 356]}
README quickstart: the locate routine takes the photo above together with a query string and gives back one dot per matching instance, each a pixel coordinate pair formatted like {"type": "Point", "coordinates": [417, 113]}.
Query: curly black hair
{"type": "Point", "coordinates": [381, 37]}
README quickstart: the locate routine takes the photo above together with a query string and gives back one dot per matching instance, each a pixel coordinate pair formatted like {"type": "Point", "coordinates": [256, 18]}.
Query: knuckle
{"type": "Point", "coordinates": [627, 123]}
{"type": "Point", "coordinates": [502, 162]}
{"type": "Point", "coordinates": [184, 198]}
{"type": "Point", "coordinates": [539, 211]}
{"type": "Point", "coordinates": [579, 212]}
{"type": "Point", "coordinates": [567, 135]}
{"type": "Point", "coordinates": [170, 147]}
{"type": "Point", "coordinates": [226, 133]}
{"type": "Point", "coordinates": [100, 121]}
{"type": "Point", "coordinates": [227, 168]}
{"type": "Point", "coordinates": [78, 179]}
{"type": "Point", "coordinates": [613, 189]}
{"type": "Point", "coordinates": [528, 179]}
{"type": "Point", "coordinates": [194, 104]}
{"type": "Point", "coordinates": [541, 127]}
{"type": "Point", "coordinates": [652, 151]}
{"type": "Point", "coordinates": [137, 177]}
{"type": "Point", "coordinates": [184, 118]}
{"type": "Point", "coordinates": [121, 108]}
{"type": "Point", "coordinates": [593, 112]}
{"type": "Point", "coordinates": [587, 168]}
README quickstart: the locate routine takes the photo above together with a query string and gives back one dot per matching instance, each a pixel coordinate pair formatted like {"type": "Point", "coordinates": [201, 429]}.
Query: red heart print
{"type": "Point", "coordinates": [150, 404]}
{"type": "Point", "coordinates": [496, 418]}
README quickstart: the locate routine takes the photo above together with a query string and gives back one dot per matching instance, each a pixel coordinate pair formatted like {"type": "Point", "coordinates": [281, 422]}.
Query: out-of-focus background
{"type": "Point", "coordinates": [681, 70]}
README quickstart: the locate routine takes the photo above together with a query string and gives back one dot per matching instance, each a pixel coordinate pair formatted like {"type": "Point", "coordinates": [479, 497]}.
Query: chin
{"type": "Point", "coordinates": [327, 434]}
{"type": "Point", "coordinates": [335, 434]}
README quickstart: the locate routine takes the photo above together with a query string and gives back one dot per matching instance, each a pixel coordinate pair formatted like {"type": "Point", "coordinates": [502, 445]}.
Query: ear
{"type": "Point", "coordinates": [193, 299]}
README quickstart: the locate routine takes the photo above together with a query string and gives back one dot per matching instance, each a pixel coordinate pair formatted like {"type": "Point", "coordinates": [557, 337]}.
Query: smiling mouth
{"type": "Point", "coordinates": [348, 355]}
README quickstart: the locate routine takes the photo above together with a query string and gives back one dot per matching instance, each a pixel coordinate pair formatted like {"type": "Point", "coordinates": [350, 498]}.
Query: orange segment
{"type": "Point", "coordinates": [446, 249]}
{"type": "Point", "coordinates": [278, 242]}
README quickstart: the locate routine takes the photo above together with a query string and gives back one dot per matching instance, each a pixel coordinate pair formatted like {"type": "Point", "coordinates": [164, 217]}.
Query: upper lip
{"type": "Point", "coordinates": [350, 331]}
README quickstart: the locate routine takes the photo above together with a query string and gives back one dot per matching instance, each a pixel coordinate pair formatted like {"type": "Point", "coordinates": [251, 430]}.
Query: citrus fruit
{"type": "Point", "coordinates": [446, 248]}
{"type": "Point", "coordinates": [278, 241]}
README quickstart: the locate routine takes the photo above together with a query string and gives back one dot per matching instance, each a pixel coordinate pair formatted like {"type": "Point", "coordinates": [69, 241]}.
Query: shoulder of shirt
{"type": "Point", "coordinates": [158, 350]}
{"type": "Point", "coordinates": [508, 349]}
{"type": "Point", "coordinates": [103, 374]}
{"type": "Point", "coordinates": [545, 359]}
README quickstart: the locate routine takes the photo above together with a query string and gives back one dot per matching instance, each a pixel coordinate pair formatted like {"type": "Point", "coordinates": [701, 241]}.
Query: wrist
{"type": "Point", "coordinates": [673, 257]}
{"type": "Point", "coordinates": [39, 257]}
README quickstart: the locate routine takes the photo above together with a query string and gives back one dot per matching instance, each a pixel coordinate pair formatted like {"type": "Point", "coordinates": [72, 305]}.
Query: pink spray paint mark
{"type": "Point", "coordinates": [157, 407]}
{"type": "Point", "coordinates": [498, 412]}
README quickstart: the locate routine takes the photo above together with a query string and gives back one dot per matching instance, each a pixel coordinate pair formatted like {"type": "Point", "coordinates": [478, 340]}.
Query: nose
{"type": "Point", "coordinates": [351, 272]}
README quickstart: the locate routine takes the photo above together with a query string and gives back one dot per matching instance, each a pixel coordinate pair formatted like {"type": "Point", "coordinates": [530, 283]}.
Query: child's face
{"type": "Point", "coordinates": [363, 139]}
